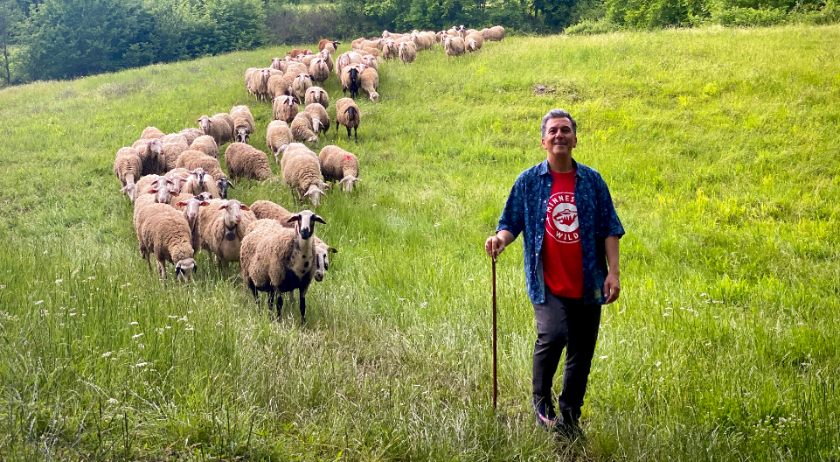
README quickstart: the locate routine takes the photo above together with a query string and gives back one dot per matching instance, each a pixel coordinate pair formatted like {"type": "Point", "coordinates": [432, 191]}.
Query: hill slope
{"type": "Point", "coordinates": [721, 153]}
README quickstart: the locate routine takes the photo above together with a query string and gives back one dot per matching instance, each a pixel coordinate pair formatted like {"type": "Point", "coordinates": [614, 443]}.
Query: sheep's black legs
{"type": "Point", "coordinates": [255, 293]}
{"type": "Point", "coordinates": [348, 133]}
{"type": "Point", "coordinates": [302, 309]}
{"type": "Point", "coordinates": [355, 133]}
{"type": "Point", "coordinates": [278, 302]}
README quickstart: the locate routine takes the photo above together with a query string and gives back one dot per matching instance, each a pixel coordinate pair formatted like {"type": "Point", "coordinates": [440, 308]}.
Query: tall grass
{"type": "Point", "coordinates": [721, 153]}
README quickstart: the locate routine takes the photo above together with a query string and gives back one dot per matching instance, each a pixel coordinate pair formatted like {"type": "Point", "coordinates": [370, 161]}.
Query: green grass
{"type": "Point", "coordinates": [721, 151]}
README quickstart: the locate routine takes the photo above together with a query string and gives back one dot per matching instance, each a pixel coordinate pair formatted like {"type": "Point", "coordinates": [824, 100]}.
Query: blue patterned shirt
{"type": "Point", "coordinates": [525, 210]}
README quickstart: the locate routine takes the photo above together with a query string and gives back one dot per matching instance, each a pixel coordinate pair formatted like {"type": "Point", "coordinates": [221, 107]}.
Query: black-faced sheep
{"type": "Point", "coordinates": [347, 114]}
{"type": "Point", "coordinates": [350, 80]}
{"type": "Point", "coordinates": [276, 259]}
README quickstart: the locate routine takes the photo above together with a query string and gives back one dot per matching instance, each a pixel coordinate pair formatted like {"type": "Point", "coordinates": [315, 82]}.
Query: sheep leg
{"type": "Point", "coordinates": [278, 297]}
{"type": "Point", "coordinates": [302, 293]}
{"type": "Point", "coordinates": [355, 133]}
{"type": "Point", "coordinates": [348, 132]}
{"type": "Point", "coordinates": [255, 293]}
{"type": "Point", "coordinates": [161, 270]}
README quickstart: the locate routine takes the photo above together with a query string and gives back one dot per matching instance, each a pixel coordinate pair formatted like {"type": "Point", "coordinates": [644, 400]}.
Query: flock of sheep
{"type": "Point", "coordinates": [180, 191]}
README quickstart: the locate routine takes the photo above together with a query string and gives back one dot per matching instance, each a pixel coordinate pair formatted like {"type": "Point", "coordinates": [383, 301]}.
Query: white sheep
{"type": "Point", "coordinates": [302, 128]}
{"type": "Point", "coordinates": [192, 160]}
{"type": "Point", "coordinates": [207, 145]}
{"type": "Point", "coordinates": [172, 147]}
{"type": "Point", "coordinates": [190, 134]}
{"type": "Point", "coordinates": [278, 136]}
{"type": "Point", "coordinates": [243, 123]}
{"type": "Point", "coordinates": [302, 173]}
{"type": "Point", "coordinates": [407, 52]}
{"type": "Point", "coordinates": [454, 46]}
{"type": "Point", "coordinates": [339, 165]}
{"type": "Point", "coordinates": [300, 84]}
{"type": "Point", "coordinates": [151, 155]}
{"type": "Point", "coordinates": [127, 168]}
{"type": "Point", "coordinates": [317, 95]}
{"type": "Point", "coordinates": [221, 227]}
{"type": "Point", "coordinates": [320, 118]}
{"type": "Point", "coordinates": [319, 70]}
{"type": "Point", "coordinates": [190, 205]}
{"type": "Point", "coordinates": [151, 133]}
{"type": "Point", "coordinates": [220, 127]}
{"type": "Point", "coordinates": [369, 81]}
{"type": "Point", "coordinates": [285, 108]}
{"type": "Point", "coordinates": [276, 259]}
{"type": "Point", "coordinates": [245, 161]}
{"type": "Point", "coordinates": [163, 231]}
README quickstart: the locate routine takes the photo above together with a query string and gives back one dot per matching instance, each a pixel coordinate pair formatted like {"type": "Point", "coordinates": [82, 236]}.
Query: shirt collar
{"type": "Point", "coordinates": [543, 169]}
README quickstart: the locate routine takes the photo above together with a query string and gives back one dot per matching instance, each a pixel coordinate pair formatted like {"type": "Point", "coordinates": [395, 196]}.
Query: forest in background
{"type": "Point", "coordinates": [64, 39]}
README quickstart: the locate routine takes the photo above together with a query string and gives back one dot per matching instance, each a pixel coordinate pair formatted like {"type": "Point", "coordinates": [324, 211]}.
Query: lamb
{"type": "Point", "coordinates": [196, 159]}
{"type": "Point", "coordinates": [302, 173]}
{"type": "Point", "coordinates": [347, 114]}
{"type": "Point", "coordinates": [190, 134]}
{"type": "Point", "coordinates": [245, 161]}
{"type": "Point", "coordinates": [317, 95]}
{"type": "Point", "coordinates": [277, 259]}
{"type": "Point", "coordinates": [163, 231]}
{"type": "Point", "coordinates": [320, 118]}
{"type": "Point", "coordinates": [278, 136]}
{"type": "Point", "coordinates": [454, 46]}
{"type": "Point", "coordinates": [221, 227]}
{"type": "Point", "coordinates": [269, 210]}
{"type": "Point", "coordinates": [301, 83]}
{"type": "Point", "coordinates": [220, 127]}
{"type": "Point", "coordinates": [127, 167]}
{"type": "Point", "coordinates": [285, 108]}
{"type": "Point", "coordinates": [339, 165]}
{"type": "Point", "coordinates": [151, 133]}
{"type": "Point", "coordinates": [151, 155]}
{"type": "Point", "coordinates": [369, 81]}
{"type": "Point", "coordinates": [350, 80]}
{"type": "Point", "coordinates": [207, 145]}
{"type": "Point", "coordinates": [302, 128]}
{"type": "Point", "coordinates": [407, 52]}
{"type": "Point", "coordinates": [243, 123]}
{"type": "Point", "coordinates": [318, 70]}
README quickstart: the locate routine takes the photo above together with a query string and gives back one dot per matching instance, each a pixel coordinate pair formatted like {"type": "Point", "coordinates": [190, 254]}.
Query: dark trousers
{"type": "Point", "coordinates": [564, 323]}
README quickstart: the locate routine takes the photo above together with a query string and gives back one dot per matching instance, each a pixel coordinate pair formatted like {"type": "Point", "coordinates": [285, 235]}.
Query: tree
{"type": "Point", "coordinates": [81, 37]}
{"type": "Point", "coordinates": [11, 24]}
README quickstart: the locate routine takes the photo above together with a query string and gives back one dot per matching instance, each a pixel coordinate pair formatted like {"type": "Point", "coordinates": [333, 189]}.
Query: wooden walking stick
{"type": "Point", "coordinates": [495, 380]}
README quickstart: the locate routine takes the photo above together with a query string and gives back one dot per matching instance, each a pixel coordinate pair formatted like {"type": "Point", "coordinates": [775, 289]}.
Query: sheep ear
{"type": "Point", "coordinates": [152, 191]}
{"type": "Point", "coordinates": [332, 249]}
{"type": "Point", "coordinates": [244, 207]}
{"type": "Point", "coordinates": [181, 204]}
{"type": "Point", "coordinates": [318, 219]}
{"type": "Point", "coordinates": [294, 218]}
{"type": "Point", "coordinates": [223, 207]}
{"type": "Point", "coordinates": [203, 203]}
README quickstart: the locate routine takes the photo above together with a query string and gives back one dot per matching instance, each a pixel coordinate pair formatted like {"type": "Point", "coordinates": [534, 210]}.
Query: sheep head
{"type": "Point", "coordinates": [305, 222]}
{"type": "Point", "coordinates": [204, 124]}
{"type": "Point", "coordinates": [242, 135]}
{"type": "Point", "coordinates": [191, 207]}
{"type": "Point", "coordinates": [223, 184]}
{"type": "Point", "coordinates": [131, 190]}
{"type": "Point", "coordinates": [348, 183]}
{"type": "Point", "coordinates": [184, 269]}
{"type": "Point", "coordinates": [314, 194]}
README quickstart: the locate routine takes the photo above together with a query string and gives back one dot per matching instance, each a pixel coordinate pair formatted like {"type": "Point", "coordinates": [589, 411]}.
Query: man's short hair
{"type": "Point", "coordinates": [557, 113]}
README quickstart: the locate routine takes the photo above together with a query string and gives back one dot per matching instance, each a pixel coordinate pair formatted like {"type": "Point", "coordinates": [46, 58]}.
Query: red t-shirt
{"type": "Point", "coordinates": [561, 251]}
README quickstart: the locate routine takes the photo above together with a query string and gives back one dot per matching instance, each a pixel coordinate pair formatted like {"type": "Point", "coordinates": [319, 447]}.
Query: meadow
{"type": "Point", "coordinates": [720, 148]}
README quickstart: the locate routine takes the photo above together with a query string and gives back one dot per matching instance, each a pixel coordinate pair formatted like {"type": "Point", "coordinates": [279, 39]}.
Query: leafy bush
{"type": "Point", "coordinates": [589, 27]}
{"type": "Point", "coordinates": [736, 16]}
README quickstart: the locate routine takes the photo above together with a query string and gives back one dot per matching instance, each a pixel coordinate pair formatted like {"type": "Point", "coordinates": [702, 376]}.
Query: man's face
{"type": "Point", "coordinates": [559, 138]}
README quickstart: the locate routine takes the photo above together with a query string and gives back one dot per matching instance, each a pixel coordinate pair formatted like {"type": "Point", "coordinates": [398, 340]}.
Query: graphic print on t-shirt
{"type": "Point", "coordinates": [563, 225]}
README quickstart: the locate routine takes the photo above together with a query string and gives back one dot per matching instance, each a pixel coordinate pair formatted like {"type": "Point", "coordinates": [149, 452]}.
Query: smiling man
{"type": "Point", "coordinates": [571, 264]}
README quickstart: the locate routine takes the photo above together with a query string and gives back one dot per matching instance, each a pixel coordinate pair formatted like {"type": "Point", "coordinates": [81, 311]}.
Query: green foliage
{"type": "Point", "coordinates": [738, 16]}
{"type": "Point", "coordinates": [12, 23]}
{"type": "Point", "coordinates": [653, 14]}
{"type": "Point", "coordinates": [590, 27]}
{"type": "Point", "coordinates": [81, 37]}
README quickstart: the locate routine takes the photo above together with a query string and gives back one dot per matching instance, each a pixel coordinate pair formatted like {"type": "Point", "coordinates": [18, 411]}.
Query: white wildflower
{"type": "Point", "coordinates": [424, 304]}
{"type": "Point", "coordinates": [137, 335]}
{"type": "Point", "coordinates": [106, 354]}
{"type": "Point", "coordinates": [133, 323]}
{"type": "Point", "coordinates": [437, 224]}
{"type": "Point", "coordinates": [603, 357]}
{"type": "Point", "coordinates": [658, 363]}
{"type": "Point", "coordinates": [58, 281]}
{"type": "Point", "coordinates": [113, 401]}
{"type": "Point", "coordinates": [39, 302]}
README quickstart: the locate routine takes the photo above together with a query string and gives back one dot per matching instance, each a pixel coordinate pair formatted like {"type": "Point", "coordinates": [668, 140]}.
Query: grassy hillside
{"type": "Point", "coordinates": [721, 151]}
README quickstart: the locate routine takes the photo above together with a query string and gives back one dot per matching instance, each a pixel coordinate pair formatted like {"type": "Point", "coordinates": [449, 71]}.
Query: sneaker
{"type": "Point", "coordinates": [545, 416]}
